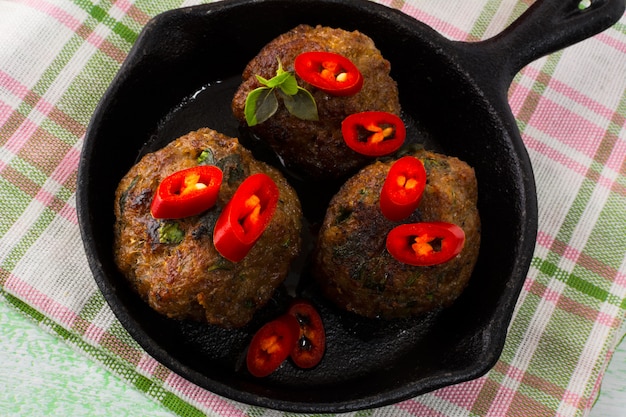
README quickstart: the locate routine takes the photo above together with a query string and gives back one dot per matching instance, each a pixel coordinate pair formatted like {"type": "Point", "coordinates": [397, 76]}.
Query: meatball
{"type": "Point", "coordinates": [352, 264]}
{"type": "Point", "coordinates": [315, 149]}
{"type": "Point", "coordinates": [173, 264]}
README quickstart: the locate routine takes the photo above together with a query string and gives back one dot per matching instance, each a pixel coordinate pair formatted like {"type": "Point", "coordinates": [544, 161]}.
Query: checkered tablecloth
{"type": "Point", "coordinates": [57, 57]}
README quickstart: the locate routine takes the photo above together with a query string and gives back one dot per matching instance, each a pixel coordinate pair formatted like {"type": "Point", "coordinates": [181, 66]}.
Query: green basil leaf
{"type": "Point", "coordinates": [280, 69]}
{"type": "Point", "coordinates": [302, 105]}
{"type": "Point", "coordinates": [290, 85]}
{"type": "Point", "coordinates": [278, 80]}
{"type": "Point", "coordinates": [266, 106]}
{"type": "Point", "coordinates": [261, 80]}
{"type": "Point", "coordinates": [261, 104]}
{"type": "Point", "coordinates": [249, 109]}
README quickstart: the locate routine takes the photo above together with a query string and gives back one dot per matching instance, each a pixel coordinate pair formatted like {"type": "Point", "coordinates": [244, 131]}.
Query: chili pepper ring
{"type": "Point", "coordinates": [425, 244]}
{"type": "Point", "coordinates": [187, 192]}
{"type": "Point", "coordinates": [373, 133]}
{"type": "Point", "coordinates": [245, 217]}
{"type": "Point", "coordinates": [403, 188]}
{"type": "Point", "coordinates": [330, 72]}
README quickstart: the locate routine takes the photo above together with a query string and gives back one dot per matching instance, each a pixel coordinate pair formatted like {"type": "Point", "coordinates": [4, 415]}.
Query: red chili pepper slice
{"type": "Point", "coordinates": [403, 188]}
{"type": "Point", "coordinates": [425, 244]}
{"type": "Point", "coordinates": [330, 72]}
{"type": "Point", "coordinates": [373, 133]}
{"type": "Point", "coordinates": [245, 217]}
{"type": "Point", "coordinates": [187, 192]}
{"type": "Point", "coordinates": [271, 345]}
{"type": "Point", "coordinates": [311, 344]}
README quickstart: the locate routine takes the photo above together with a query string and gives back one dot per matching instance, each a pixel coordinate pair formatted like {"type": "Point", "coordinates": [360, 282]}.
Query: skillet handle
{"type": "Point", "coordinates": [548, 26]}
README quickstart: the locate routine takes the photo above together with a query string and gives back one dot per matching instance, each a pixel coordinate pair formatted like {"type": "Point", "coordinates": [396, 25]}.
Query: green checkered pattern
{"type": "Point", "coordinates": [57, 58]}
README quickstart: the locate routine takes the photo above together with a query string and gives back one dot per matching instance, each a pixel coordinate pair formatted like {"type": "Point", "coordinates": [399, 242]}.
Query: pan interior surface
{"type": "Point", "coordinates": [181, 76]}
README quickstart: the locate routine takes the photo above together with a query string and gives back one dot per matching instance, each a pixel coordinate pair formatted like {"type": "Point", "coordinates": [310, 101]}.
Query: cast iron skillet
{"type": "Point", "coordinates": [181, 75]}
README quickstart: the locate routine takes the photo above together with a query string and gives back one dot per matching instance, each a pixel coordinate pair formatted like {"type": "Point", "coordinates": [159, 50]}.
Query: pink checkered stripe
{"type": "Point", "coordinates": [572, 149]}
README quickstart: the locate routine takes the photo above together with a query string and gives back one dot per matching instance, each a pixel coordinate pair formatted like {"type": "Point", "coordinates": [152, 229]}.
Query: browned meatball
{"type": "Point", "coordinates": [352, 263]}
{"type": "Point", "coordinates": [315, 149]}
{"type": "Point", "coordinates": [188, 279]}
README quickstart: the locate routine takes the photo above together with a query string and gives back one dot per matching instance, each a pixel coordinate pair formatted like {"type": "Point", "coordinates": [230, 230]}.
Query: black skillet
{"type": "Point", "coordinates": [181, 75]}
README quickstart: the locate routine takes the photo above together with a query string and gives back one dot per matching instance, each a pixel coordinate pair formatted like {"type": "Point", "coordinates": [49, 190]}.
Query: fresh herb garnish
{"type": "Point", "coordinates": [170, 233]}
{"type": "Point", "coordinates": [206, 157]}
{"type": "Point", "coordinates": [233, 169]}
{"type": "Point", "coordinates": [262, 102]}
